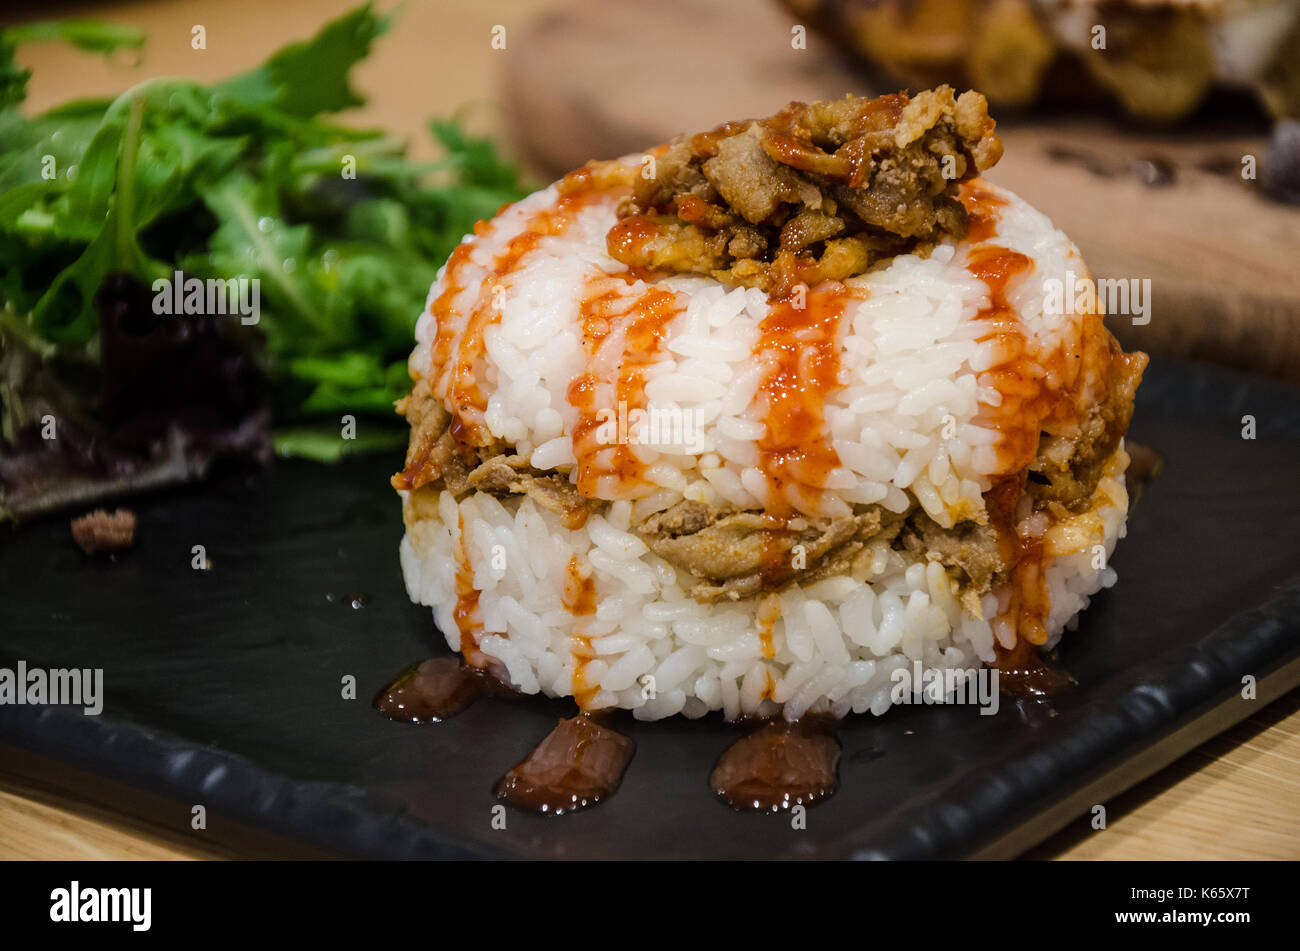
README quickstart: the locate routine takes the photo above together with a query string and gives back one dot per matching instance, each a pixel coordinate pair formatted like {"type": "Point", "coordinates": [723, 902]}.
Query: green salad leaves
{"type": "Point", "coordinates": [243, 179]}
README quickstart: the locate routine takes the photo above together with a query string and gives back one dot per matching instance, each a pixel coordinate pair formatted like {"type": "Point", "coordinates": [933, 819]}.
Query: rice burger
{"type": "Point", "coordinates": [751, 421]}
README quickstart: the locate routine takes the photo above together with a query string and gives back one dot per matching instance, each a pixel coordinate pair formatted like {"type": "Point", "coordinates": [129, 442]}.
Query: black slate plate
{"type": "Point", "coordinates": [223, 688]}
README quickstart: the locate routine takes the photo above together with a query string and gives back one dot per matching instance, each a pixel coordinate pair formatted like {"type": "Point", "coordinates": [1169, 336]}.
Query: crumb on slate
{"type": "Point", "coordinates": [99, 531]}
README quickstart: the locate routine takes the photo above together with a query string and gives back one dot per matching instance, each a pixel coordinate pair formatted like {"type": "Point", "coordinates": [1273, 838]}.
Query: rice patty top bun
{"type": "Point", "coordinates": [661, 489]}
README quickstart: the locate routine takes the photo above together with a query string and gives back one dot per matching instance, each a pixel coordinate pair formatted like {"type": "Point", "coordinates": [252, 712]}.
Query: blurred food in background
{"type": "Point", "coordinates": [1159, 59]}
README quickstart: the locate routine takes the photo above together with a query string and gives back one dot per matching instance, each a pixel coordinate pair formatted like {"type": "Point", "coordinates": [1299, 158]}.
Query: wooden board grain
{"type": "Point", "coordinates": [1231, 798]}
{"type": "Point", "coordinates": [1223, 261]}
{"type": "Point", "coordinates": [31, 829]}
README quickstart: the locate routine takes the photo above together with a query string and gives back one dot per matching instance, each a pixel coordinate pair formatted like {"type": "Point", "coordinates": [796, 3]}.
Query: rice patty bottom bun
{"type": "Point", "coordinates": [908, 404]}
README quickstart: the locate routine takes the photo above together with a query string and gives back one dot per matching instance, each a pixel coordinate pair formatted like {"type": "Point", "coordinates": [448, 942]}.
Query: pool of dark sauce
{"type": "Point", "coordinates": [1025, 674]}
{"type": "Point", "coordinates": [582, 761]}
{"type": "Point", "coordinates": [436, 689]}
{"type": "Point", "coordinates": [579, 763]}
{"type": "Point", "coordinates": [779, 765]}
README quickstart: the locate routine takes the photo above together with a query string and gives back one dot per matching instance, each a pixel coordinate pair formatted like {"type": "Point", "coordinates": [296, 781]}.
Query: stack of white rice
{"type": "Point", "coordinates": [915, 420]}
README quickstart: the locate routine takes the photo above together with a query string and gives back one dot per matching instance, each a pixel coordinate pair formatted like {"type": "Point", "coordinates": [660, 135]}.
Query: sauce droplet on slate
{"type": "Point", "coordinates": [778, 766]}
{"type": "Point", "coordinates": [433, 690]}
{"type": "Point", "coordinates": [1024, 674]}
{"type": "Point", "coordinates": [1144, 465]}
{"type": "Point", "coordinates": [577, 765]}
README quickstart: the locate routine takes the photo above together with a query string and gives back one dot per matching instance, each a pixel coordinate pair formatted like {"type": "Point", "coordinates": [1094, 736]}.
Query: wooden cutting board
{"type": "Point", "coordinates": [601, 80]}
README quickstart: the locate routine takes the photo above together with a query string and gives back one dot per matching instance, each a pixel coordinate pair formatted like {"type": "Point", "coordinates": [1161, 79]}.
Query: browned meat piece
{"type": "Point", "coordinates": [753, 183]}
{"type": "Point", "coordinates": [1067, 470]}
{"type": "Point", "coordinates": [435, 461]}
{"type": "Point", "coordinates": [841, 560]}
{"type": "Point", "coordinates": [817, 192]}
{"type": "Point", "coordinates": [1062, 478]}
{"type": "Point", "coordinates": [434, 456]}
{"type": "Point", "coordinates": [99, 531]}
{"type": "Point", "coordinates": [972, 550]}
{"type": "Point", "coordinates": [684, 518]}
{"type": "Point", "coordinates": [511, 475]}
{"type": "Point", "coordinates": [739, 554]}
{"type": "Point", "coordinates": [669, 244]}
{"type": "Point", "coordinates": [431, 448]}
{"type": "Point", "coordinates": [497, 474]}
{"type": "Point", "coordinates": [807, 228]}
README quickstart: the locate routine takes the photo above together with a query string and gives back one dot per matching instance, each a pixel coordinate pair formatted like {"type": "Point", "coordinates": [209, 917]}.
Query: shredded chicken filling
{"type": "Point", "coordinates": [817, 192]}
{"type": "Point", "coordinates": [738, 554]}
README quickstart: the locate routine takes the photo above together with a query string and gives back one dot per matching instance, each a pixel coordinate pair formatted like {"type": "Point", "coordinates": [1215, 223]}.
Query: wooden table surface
{"type": "Point", "coordinates": [1232, 798]}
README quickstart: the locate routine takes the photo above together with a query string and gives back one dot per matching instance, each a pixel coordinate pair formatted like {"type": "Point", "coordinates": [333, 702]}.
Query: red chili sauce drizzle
{"type": "Point", "coordinates": [580, 601]}
{"type": "Point", "coordinates": [455, 355]}
{"type": "Point", "coordinates": [1027, 399]}
{"type": "Point", "coordinates": [982, 205]}
{"type": "Point", "coordinates": [417, 473]}
{"type": "Point", "coordinates": [800, 346]}
{"type": "Point", "coordinates": [469, 621]}
{"type": "Point", "coordinates": [627, 239]}
{"type": "Point", "coordinates": [1038, 390]}
{"type": "Point", "coordinates": [769, 612]}
{"type": "Point", "coordinates": [616, 469]}
{"type": "Point", "coordinates": [1026, 403]}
